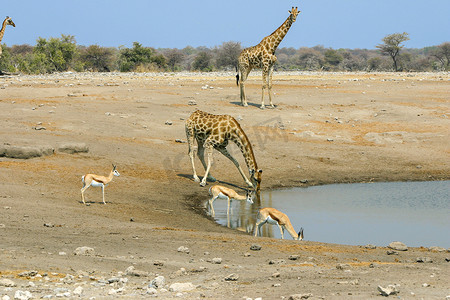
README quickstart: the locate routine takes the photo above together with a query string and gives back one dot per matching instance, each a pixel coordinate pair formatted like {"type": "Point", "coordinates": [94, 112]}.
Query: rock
{"type": "Point", "coordinates": [232, 277]}
{"type": "Point", "coordinates": [131, 271]}
{"type": "Point", "coordinates": [157, 282]}
{"type": "Point", "coordinates": [181, 271]}
{"type": "Point", "coordinates": [192, 102]}
{"type": "Point", "coordinates": [151, 291]}
{"type": "Point", "coordinates": [342, 266]}
{"type": "Point", "coordinates": [399, 246]}
{"type": "Point", "coordinates": [247, 254]}
{"type": "Point", "coordinates": [300, 296]}
{"type": "Point", "coordinates": [159, 263]}
{"type": "Point", "coordinates": [85, 251]}
{"type": "Point", "coordinates": [389, 290]}
{"type": "Point", "coordinates": [28, 273]}
{"type": "Point", "coordinates": [72, 148]}
{"type": "Point", "coordinates": [436, 249]}
{"type": "Point", "coordinates": [6, 297]}
{"type": "Point", "coordinates": [39, 128]}
{"type": "Point", "coordinates": [7, 282]}
{"type": "Point", "coordinates": [168, 122]}
{"type": "Point", "coordinates": [391, 252]}
{"type": "Point", "coordinates": [424, 260]}
{"type": "Point", "coordinates": [216, 260]}
{"type": "Point", "coordinates": [78, 291]}
{"type": "Point", "coordinates": [183, 249]}
{"type": "Point", "coordinates": [25, 152]}
{"type": "Point", "coordinates": [276, 275]}
{"type": "Point", "coordinates": [294, 257]}
{"type": "Point", "coordinates": [181, 287]}
{"type": "Point", "coordinates": [255, 247]}
{"type": "Point", "coordinates": [22, 295]}
{"type": "Point", "coordinates": [370, 246]}
{"type": "Point", "coordinates": [180, 141]}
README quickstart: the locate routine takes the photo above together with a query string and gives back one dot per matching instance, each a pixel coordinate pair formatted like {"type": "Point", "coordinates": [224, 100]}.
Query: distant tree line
{"type": "Point", "coordinates": [63, 54]}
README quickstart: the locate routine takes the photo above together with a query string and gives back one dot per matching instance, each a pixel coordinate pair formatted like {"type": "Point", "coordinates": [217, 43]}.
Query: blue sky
{"type": "Point", "coordinates": [179, 23]}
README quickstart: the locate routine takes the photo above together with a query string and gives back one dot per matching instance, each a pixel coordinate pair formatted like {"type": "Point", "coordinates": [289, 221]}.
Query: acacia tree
{"type": "Point", "coordinates": [228, 54]}
{"type": "Point", "coordinates": [442, 53]}
{"type": "Point", "coordinates": [392, 45]}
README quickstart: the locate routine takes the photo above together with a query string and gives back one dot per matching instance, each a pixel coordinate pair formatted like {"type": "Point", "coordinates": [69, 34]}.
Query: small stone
{"type": "Point", "coordinates": [183, 249]}
{"type": "Point", "coordinates": [168, 122]}
{"type": "Point", "coordinates": [399, 246]}
{"type": "Point", "coordinates": [255, 247]}
{"type": "Point", "coordinates": [7, 282]}
{"type": "Point", "coordinates": [181, 271]}
{"type": "Point", "coordinates": [232, 277]}
{"type": "Point", "coordinates": [276, 285]}
{"type": "Point", "coordinates": [342, 266]}
{"type": "Point", "coordinates": [300, 296]}
{"type": "Point", "coordinates": [424, 260]}
{"type": "Point", "coordinates": [181, 287]}
{"type": "Point", "coordinates": [216, 260]}
{"type": "Point", "coordinates": [131, 271]}
{"type": "Point", "coordinates": [28, 274]}
{"type": "Point", "coordinates": [276, 275]}
{"type": "Point", "coordinates": [370, 246]}
{"type": "Point", "coordinates": [192, 102]}
{"type": "Point", "coordinates": [158, 263]}
{"type": "Point", "coordinates": [389, 290]}
{"type": "Point", "coordinates": [22, 295]}
{"type": "Point", "coordinates": [151, 291]}
{"type": "Point", "coordinates": [85, 251]}
{"type": "Point", "coordinates": [391, 252]}
{"type": "Point", "coordinates": [78, 291]}
{"type": "Point", "coordinates": [425, 285]}
{"type": "Point", "coordinates": [294, 257]}
{"type": "Point", "coordinates": [180, 141]}
{"type": "Point", "coordinates": [50, 225]}
{"type": "Point", "coordinates": [247, 254]}
{"type": "Point", "coordinates": [157, 282]}
{"type": "Point", "coordinates": [62, 253]}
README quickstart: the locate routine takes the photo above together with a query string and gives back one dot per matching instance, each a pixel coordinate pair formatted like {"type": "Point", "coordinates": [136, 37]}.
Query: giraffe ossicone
{"type": "Point", "coordinates": [214, 132]}
{"type": "Point", "coordinates": [262, 56]}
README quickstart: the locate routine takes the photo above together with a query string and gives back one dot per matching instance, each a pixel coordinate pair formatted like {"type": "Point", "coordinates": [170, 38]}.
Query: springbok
{"type": "Point", "coordinates": [221, 192]}
{"type": "Point", "coordinates": [97, 181]}
{"type": "Point", "coordinates": [276, 217]}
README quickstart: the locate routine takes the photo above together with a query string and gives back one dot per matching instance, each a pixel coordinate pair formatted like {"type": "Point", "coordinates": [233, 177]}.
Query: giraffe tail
{"type": "Point", "coordinates": [237, 76]}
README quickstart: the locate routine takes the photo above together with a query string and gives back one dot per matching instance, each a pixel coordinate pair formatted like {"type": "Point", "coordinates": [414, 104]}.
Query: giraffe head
{"type": "Point", "coordinates": [255, 178]}
{"type": "Point", "coordinates": [9, 21]}
{"type": "Point", "coordinates": [294, 12]}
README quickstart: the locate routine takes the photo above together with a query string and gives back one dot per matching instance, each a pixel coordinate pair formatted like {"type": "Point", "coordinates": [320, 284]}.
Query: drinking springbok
{"type": "Point", "coordinates": [276, 217]}
{"type": "Point", "coordinates": [221, 192]}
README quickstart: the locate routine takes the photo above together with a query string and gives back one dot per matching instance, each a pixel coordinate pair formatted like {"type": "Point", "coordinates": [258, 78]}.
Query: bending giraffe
{"type": "Point", "coordinates": [97, 181]}
{"type": "Point", "coordinates": [276, 217]}
{"type": "Point", "coordinates": [263, 56]}
{"type": "Point", "coordinates": [214, 132]}
{"type": "Point", "coordinates": [7, 21]}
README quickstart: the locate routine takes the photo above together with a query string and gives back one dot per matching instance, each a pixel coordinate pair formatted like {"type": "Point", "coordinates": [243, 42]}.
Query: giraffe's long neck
{"type": "Point", "coordinates": [278, 35]}
{"type": "Point", "coordinates": [2, 31]}
{"type": "Point", "coordinates": [242, 141]}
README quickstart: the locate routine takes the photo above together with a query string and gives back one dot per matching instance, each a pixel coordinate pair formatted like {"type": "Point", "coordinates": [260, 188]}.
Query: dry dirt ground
{"type": "Point", "coordinates": [326, 128]}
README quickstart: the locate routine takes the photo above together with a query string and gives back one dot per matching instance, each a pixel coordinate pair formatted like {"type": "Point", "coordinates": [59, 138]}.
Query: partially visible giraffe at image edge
{"type": "Point", "coordinates": [7, 21]}
{"type": "Point", "coordinates": [214, 132]}
{"type": "Point", "coordinates": [262, 56]}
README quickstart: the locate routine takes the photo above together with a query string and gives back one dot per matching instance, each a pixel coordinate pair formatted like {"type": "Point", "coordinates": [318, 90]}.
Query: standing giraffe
{"type": "Point", "coordinates": [214, 132]}
{"type": "Point", "coordinates": [263, 56]}
{"type": "Point", "coordinates": [8, 21]}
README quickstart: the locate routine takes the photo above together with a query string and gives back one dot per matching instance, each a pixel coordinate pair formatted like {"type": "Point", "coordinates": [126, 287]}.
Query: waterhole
{"type": "Point", "coordinates": [415, 213]}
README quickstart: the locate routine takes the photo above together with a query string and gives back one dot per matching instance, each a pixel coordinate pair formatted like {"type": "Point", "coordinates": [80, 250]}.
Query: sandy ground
{"type": "Point", "coordinates": [326, 128]}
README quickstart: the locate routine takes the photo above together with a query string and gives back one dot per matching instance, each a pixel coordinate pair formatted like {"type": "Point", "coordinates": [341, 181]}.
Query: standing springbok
{"type": "Point", "coordinates": [276, 217]}
{"type": "Point", "coordinates": [221, 192]}
{"type": "Point", "coordinates": [97, 181]}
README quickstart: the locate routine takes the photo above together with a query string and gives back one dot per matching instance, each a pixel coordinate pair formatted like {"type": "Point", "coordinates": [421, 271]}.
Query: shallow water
{"type": "Point", "coordinates": [415, 213]}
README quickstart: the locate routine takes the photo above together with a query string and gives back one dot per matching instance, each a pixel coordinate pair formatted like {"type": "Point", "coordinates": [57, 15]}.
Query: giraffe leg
{"type": "Point", "coordinates": [225, 152]}
{"type": "Point", "coordinates": [265, 79]}
{"type": "Point", "coordinates": [244, 74]}
{"type": "Point", "coordinates": [209, 152]}
{"type": "Point", "coordinates": [270, 86]}
{"type": "Point", "coordinates": [201, 156]}
{"type": "Point", "coordinates": [192, 150]}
